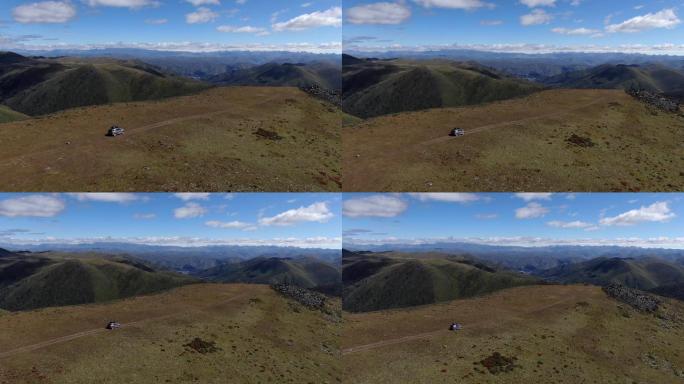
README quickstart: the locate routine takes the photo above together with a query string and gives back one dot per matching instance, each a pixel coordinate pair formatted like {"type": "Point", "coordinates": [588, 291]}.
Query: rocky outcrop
{"type": "Point", "coordinates": [307, 298]}
{"type": "Point", "coordinates": [329, 95]}
{"type": "Point", "coordinates": [639, 300]}
{"type": "Point", "coordinates": [659, 101]}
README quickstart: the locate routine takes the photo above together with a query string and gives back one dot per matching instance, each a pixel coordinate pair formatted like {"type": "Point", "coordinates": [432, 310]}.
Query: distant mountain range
{"type": "Point", "coordinates": [535, 66]}
{"type": "Point", "coordinates": [392, 82]}
{"type": "Point", "coordinates": [199, 65]}
{"type": "Point", "coordinates": [528, 259]}
{"type": "Point", "coordinates": [29, 281]}
{"type": "Point", "coordinates": [375, 281]}
{"type": "Point", "coordinates": [379, 87]}
{"type": "Point", "coordinates": [651, 77]}
{"type": "Point", "coordinates": [188, 259]}
{"type": "Point", "coordinates": [646, 273]}
{"type": "Point", "coordinates": [37, 86]}
{"type": "Point", "coordinates": [306, 272]}
{"type": "Point", "coordinates": [387, 279]}
{"type": "Point", "coordinates": [323, 74]}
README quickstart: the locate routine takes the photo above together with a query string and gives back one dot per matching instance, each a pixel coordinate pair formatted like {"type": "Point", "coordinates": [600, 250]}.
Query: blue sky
{"type": "Point", "coordinates": [303, 220]}
{"type": "Point", "coordinates": [644, 219]}
{"type": "Point", "coordinates": [185, 25]}
{"type": "Point", "coordinates": [516, 25]}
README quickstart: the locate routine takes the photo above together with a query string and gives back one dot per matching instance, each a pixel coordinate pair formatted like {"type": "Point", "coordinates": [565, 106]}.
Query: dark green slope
{"type": "Point", "coordinates": [675, 291]}
{"type": "Point", "coordinates": [30, 281]}
{"type": "Point", "coordinates": [304, 272]}
{"type": "Point", "coordinates": [375, 282]}
{"type": "Point", "coordinates": [378, 88]}
{"type": "Point", "coordinates": [41, 86]}
{"type": "Point", "coordinates": [651, 77]}
{"type": "Point", "coordinates": [643, 274]}
{"type": "Point", "coordinates": [324, 75]}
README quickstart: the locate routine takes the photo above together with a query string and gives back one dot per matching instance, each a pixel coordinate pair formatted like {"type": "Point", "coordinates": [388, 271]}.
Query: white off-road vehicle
{"type": "Point", "coordinates": [113, 325]}
{"type": "Point", "coordinates": [457, 132]}
{"type": "Point", "coordinates": [115, 131]}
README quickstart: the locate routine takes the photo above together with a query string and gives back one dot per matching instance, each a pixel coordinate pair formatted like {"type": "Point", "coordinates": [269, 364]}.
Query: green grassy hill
{"type": "Point", "coordinates": [382, 281]}
{"type": "Point", "coordinates": [29, 281]}
{"type": "Point", "coordinates": [651, 77]}
{"type": "Point", "coordinates": [303, 272]}
{"type": "Point", "coordinates": [274, 74]}
{"type": "Point", "coordinates": [372, 88]}
{"type": "Point", "coordinates": [42, 86]}
{"type": "Point", "coordinates": [644, 274]}
{"type": "Point", "coordinates": [7, 115]}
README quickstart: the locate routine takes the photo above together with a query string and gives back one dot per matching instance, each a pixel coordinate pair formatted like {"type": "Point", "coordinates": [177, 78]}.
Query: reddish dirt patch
{"type": "Point", "coordinates": [498, 363]}
{"type": "Point", "coordinates": [202, 346]}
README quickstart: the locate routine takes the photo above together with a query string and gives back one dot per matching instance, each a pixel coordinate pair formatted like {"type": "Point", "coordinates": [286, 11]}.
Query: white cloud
{"type": "Point", "coordinates": [240, 2]}
{"type": "Point", "coordinates": [244, 29]}
{"type": "Point", "coordinates": [156, 21]}
{"type": "Point", "coordinates": [133, 4]}
{"type": "Point", "coordinates": [188, 211]}
{"type": "Point", "coordinates": [455, 4]}
{"type": "Point", "coordinates": [657, 212]}
{"type": "Point", "coordinates": [531, 211]}
{"type": "Point", "coordinates": [197, 3]}
{"type": "Point", "coordinates": [491, 22]}
{"type": "Point", "coordinates": [329, 18]}
{"type": "Point", "coordinates": [189, 242]}
{"type": "Point", "coordinates": [229, 224]}
{"type": "Point", "coordinates": [378, 13]}
{"type": "Point", "coordinates": [446, 197]}
{"type": "Point", "coordinates": [32, 206]}
{"type": "Point", "coordinates": [539, 3]}
{"type": "Point", "coordinates": [527, 241]}
{"type": "Point", "coordinates": [44, 12]}
{"type": "Point", "coordinates": [534, 196]}
{"type": "Point", "coordinates": [569, 224]}
{"type": "Point", "coordinates": [486, 216]}
{"type": "Point", "coordinates": [528, 48]}
{"type": "Point", "coordinates": [316, 212]}
{"type": "Point", "coordinates": [374, 206]}
{"type": "Point", "coordinates": [144, 216]}
{"type": "Point", "coordinates": [192, 196]}
{"type": "Point", "coordinates": [201, 16]}
{"type": "Point", "coordinates": [575, 31]}
{"type": "Point", "coordinates": [667, 18]}
{"type": "Point", "coordinates": [332, 47]}
{"type": "Point", "coordinates": [537, 16]}
{"type": "Point", "coordinates": [105, 197]}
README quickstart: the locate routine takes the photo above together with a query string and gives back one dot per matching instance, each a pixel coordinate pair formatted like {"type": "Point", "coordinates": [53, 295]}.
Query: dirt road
{"type": "Point", "coordinates": [78, 335]}
{"type": "Point", "coordinates": [471, 131]}
{"type": "Point", "coordinates": [444, 331]}
{"type": "Point", "coordinates": [132, 132]}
